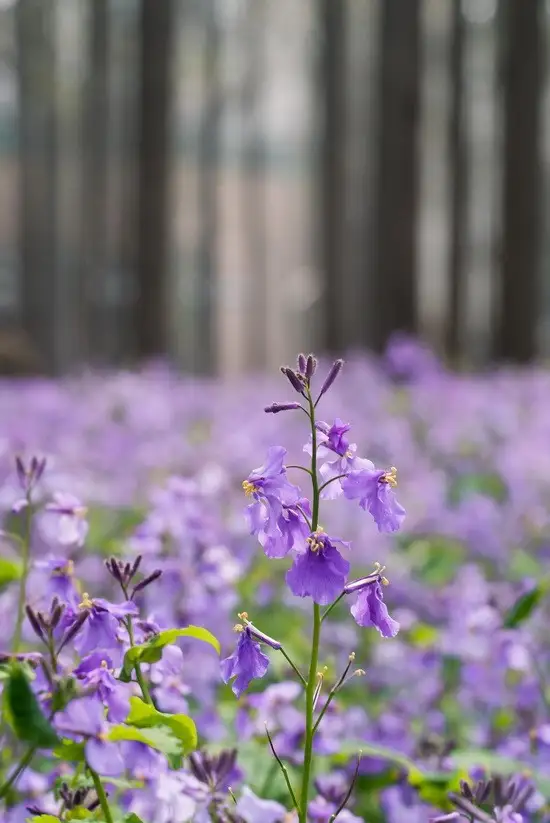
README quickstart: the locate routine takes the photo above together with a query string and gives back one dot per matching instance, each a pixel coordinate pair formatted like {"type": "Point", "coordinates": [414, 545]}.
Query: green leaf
{"type": "Point", "coordinates": [144, 716]}
{"type": "Point", "coordinates": [488, 484]}
{"type": "Point", "coordinates": [132, 818]}
{"type": "Point", "coordinates": [10, 570]}
{"type": "Point", "coordinates": [69, 750]}
{"type": "Point", "coordinates": [525, 606]}
{"type": "Point", "coordinates": [151, 652]}
{"type": "Point", "coordinates": [43, 818]}
{"type": "Point", "coordinates": [29, 724]}
{"type": "Point", "coordinates": [491, 762]}
{"type": "Point", "coordinates": [157, 738]}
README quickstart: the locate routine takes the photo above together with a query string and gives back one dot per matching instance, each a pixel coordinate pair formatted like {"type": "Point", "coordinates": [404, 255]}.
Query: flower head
{"type": "Point", "coordinates": [269, 487]}
{"type": "Point", "coordinates": [370, 610]}
{"type": "Point", "coordinates": [245, 664]}
{"type": "Point", "coordinates": [374, 490]}
{"type": "Point", "coordinates": [101, 628]}
{"type": "Point", "coordinates": [64, 520]}
{"type": "Point", "coordinates": [84, 719]}
{"type": "Point", "coordinates": [320, 571]}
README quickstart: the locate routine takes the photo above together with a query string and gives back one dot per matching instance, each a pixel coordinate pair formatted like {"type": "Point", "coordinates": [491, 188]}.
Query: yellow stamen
{"type": "Point", "coordinates": [390, 477]}
{"type": "Point", "coordinates": [384, 581]}
{"type": "Point", "coordinates": [238, 628]}
{"type": "Point", "coordinates": [87, 602]}
{"type": "Point", "coordinates": [80, 511]}
{"type": "Point", "coordinates": [351, 657]}
{"type": "Point", "coordinates": [359, 673]}
{"type": "Point", "coordinates": [249, 488]}
{"type": "Point", "coordinates": [243, 616]}
{"type": "Point", "coordinates": [313, 541]}
{"type": "Point", "coordinates": [104, 664]}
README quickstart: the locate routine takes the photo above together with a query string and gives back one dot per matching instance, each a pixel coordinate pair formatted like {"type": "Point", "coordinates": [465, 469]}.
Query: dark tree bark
{"type": "Point", "coordinates": [332, 226]}
{"type": "Point", "coordinates": [37, 160]}
{"type": "Point", "coordinates": [396, 190]}
{"type": "Point", "coordinates": [521, 204]}
{"type": "Point", "coordinates": [156, 26]}
{"type": "Point", "coordinates": [458, 190]}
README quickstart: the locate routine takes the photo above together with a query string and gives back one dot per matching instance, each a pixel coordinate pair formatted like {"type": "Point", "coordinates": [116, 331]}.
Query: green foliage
{"type": "Point", "coordinates": [159, 738]}
{"type": "Point", "coordinates": [10, 570]}
{"type": "Point", "coordinates": [488, 484]}
{"type": "Point", "coordinates": [525, 605]}
{"type": "Point", "coordinates": [151, 651]}
{"type": "Point", "coordinates": [144, 716]}
{"type": "Point", "coordinates": [28, 722]}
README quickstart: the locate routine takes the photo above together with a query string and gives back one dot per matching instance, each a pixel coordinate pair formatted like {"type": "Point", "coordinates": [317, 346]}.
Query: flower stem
{"type": "Point", "coordinates": [293, 665]}
{"type": "Point", "coordinates": [16, 774]}
{"type": "Point", "coordinates": [26, 549]}
{"type": "Point", "coordinates": [101, 796]}
{"type": "Point", "coordinates": [332, 605]}
{"type": "Point", "coordinates": [137, 666]}
{"type": "Point", "coordinates": [311, 680]}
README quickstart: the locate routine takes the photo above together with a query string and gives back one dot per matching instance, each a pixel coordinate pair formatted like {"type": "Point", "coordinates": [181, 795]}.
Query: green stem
{"type": "Point", "coordinates": [26, 548]}
{"type": "Point", "coordinates": [137, 666]}
{"type": "Point", "coordinates": [311, 680]}
{"type": "Point", "coordinates": [332, 605]}
{"type": "Point", "coordinates": [296, 669]}
{"type": "Point", "coordinates": [332, 479]}
{"type": "Point", "coordinates": [15, 775]}
{"type": "Point", "coordinates": [101, 796]}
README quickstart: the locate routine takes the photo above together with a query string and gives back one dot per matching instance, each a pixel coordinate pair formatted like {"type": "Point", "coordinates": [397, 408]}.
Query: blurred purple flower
{"type": "Point", "coordinates": [96, 670]}
{"type": "Point", "coordinates": [64, 520]}
{"type": "Point", "coordinates": [252, 809]}
{"type": "Point", "coordinates": [84, 719]}
{"type": "Point", "coordinates": [271, 490]}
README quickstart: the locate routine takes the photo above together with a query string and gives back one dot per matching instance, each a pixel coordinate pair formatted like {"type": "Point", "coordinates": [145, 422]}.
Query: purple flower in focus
{"type": "Point", "coordinates": [64, 520]}
{"type": "Point", "coordinates": [374, 490]}
{"type": "Point", "coordinates": [245, 664]}
{"type": "Point", "coordinates": [253, 809]}
{"type": "Point", "coordinates": [290, 533]}
{"type": "Point", "coordinates": [84, 719]}
{"type": "Point", "coordinates": [320, 571]}
{"type": "Point", "coordinates": [370, 610]}
{"type": "Point", "coordinates": [100, 631]}
{"type": "Point", "coordinates": [96, 670]}
{"type": "Point", "coordinates": [270, 489]}
{"type": "Point", "coordinates": [331, 441]}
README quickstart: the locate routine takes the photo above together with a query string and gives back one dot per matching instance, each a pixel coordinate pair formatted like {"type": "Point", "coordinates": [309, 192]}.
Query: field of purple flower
{"type": "Point", "coordinates": [380, 630]}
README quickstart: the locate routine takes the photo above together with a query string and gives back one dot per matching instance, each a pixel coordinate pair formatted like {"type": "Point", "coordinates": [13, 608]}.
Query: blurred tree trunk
{"type": "Point", "coordinates": [516, 334]}
{"type": "Point", "coordinates": [156, 28]}
{"type": "Point", "coordinates": [332, 226]}
{"type": "Point", "coordinates": [396, 190]}
{"type": "Point", "coordinates": [95, 190]}
{"type": "Point", "coordinates": [458, 190]}
{"type": "Point", "coordinates": [38, 168]}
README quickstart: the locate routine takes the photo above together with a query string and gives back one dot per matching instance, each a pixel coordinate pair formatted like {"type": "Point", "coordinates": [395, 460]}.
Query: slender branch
{"type": "Point", "coordinates": [302, 468]}
{"type": "Point", "coordinates": [332, 479]}
{"type": "Point", "coordinates": [332, 605]}
{"type": "Point", "coordinates": [342, 805]}
{"type": "Point", "coordinates": [306, 518]}
{"type": "Point", "coordinates": [137, 666]}
{"type": "Point", "coordinates": [283, 769]}
{"type": "Point", "coordinates": [337, 686]}
{"type": "Point", "coordinates": [26, 548]}
{"type": "Point", "coordinates": [15, 775]}
{"type": "Point", "coordinates": [298, 672]}
{"type": "Point", "coordinates": [310, 690]}
{"type": "Point", "coordinates": [101, 796]}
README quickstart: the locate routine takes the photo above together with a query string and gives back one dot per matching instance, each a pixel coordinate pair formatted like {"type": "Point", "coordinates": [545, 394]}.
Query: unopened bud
{"type": "Point", "coordinates": [293, 379]}
{"type": "Point", "coordinates": [275, 408]}
{"type": "Point", "coordinates": [33, 620]}
{"type": "Point", "coordinates": [335, 370]}
{"type": "Point", "coordinates": [302, 363]}
{"type": "Point", "coordinates": [71, 633]}
{"type": "Point", "coordinates": [145, 582]}
{"type": "Point", "coordinates": [265, 638]}
{"type": "Point", "coordinates": [311, 366]}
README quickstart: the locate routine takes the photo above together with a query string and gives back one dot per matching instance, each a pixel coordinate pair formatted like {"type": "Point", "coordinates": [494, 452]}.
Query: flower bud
{"type": "Point", "coordinates": [335, 370]}
{"type": "Point", "coordinates": [293, 379]}
{"type": "Point", "coordinates": [279, 407]}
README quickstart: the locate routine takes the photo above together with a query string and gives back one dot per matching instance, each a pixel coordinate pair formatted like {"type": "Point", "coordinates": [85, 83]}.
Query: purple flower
{"type": "Point", "coordinates": [331, 441]}
{"type": "Point", "coordinates": [374, 490]}
{"type": "Point", "coordinates": [96, 670]}
{"type": "Point", "coordinates": [320, 571]}
{"type": "Point", "coordinates": [370, 610]}
{"type": "Point", "coordinates": [84, 719]}
{"type": "Point", "coordinates": [245, 664]}
{"type": "Point", "coordinates": [269, 487]}
{"type": "Point", "coordinates": [252, 809]}
{"type": "Point", "coordinates": [64, 520]}
{"type": "Point", "coordinates": [142, 762]}
{"type": "Point", "coordinates": [100, 631]}
{"type": "Point", "coordinates": [61, 580]}
{"type": "Point", "coordinates": [290, 533]}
